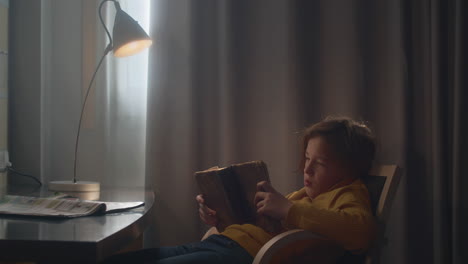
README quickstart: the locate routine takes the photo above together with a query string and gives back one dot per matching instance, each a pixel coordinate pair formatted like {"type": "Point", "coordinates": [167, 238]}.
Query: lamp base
{"type": "Point", "coordinates": [70, 186]}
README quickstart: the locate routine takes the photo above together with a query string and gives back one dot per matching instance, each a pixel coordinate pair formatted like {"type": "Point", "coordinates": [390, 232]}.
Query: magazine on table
{"type": "Point", "coordinates": [61, 206]}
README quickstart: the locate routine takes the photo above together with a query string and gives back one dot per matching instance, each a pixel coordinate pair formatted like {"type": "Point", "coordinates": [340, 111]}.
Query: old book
{"type": "Point", "coordinates": [230, 191]}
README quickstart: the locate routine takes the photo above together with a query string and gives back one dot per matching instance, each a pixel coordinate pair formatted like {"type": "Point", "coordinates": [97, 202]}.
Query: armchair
{"type": "Point", "coordinates": [382, 183]}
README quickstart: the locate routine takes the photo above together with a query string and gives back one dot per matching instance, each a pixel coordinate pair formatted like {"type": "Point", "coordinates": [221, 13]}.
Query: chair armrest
{"type": "Point", "coordinates": [268, 250]}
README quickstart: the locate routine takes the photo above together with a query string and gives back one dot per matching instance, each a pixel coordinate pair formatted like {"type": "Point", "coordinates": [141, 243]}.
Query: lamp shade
{"type": "Point", "coordinates": [129, 37]}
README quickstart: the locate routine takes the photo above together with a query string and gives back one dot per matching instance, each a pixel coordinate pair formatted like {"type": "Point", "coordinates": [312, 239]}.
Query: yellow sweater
{"type": "Point", "coordinates": [342, 214]}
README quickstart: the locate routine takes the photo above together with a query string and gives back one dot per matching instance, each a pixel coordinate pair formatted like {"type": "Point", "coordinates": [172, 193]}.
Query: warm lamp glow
{"type": "Point", "coordinates": [128, 36]}
{"type": "Point", "coordinates": [132, 48]}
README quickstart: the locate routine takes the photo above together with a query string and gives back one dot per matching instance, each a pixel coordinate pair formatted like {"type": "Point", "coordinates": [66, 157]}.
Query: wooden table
{"type": "Point", "coordinates": [79, 240]}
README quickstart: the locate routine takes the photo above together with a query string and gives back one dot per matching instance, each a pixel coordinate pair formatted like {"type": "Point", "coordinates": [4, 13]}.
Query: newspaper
{"type": "Point", "coordinates": [59, 206]}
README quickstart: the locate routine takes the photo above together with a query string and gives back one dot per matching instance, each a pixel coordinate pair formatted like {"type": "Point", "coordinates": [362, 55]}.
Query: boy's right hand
{"type": "Point", "coordinates": [207, 215]}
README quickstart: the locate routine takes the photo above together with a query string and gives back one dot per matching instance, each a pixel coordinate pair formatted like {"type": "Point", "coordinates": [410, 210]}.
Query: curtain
{"type": "Point", "coordinates": [57, 45]}
{"type": "Point", "coordinates": [232, 81]}
{"type": "Point", "coordinates": [206, 108]}
{"type": "Point", "coordinates": [435, 46]}
{"type": "Point", "coordinates": [121, 107]}
{"type": "Point", "coordinates": [112, 143]}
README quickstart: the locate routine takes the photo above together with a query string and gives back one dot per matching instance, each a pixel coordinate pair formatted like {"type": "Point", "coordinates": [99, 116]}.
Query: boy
{"type": "Point", "coordinates": [333, 203]}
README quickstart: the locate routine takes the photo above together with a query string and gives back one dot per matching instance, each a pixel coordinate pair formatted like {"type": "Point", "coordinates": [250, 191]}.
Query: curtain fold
{"type": "Point", "coordinates": [459, 161]}
{"type": "Point", "coordinates": [436, 54]}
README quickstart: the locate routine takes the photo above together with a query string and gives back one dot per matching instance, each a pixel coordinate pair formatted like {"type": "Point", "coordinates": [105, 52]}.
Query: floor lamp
{"type": "Point", "coordinates": [128, 38]}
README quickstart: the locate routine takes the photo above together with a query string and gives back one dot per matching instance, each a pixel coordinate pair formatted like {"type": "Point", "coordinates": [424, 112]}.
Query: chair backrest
{"type": "Point", "coordinates": [382, 183]}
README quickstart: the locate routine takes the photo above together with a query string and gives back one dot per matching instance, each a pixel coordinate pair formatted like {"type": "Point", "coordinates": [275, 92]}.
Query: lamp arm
{"type": "Point", "coordinates": [109, 47]}
{"type": "Point", "coordinates": [117, 7]}
{"type": "Point", "coordinates": [106, 51]}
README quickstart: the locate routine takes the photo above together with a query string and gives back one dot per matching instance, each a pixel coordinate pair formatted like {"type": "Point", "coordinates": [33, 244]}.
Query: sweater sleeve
{"type": "Point", "coordinates": [348, 221]}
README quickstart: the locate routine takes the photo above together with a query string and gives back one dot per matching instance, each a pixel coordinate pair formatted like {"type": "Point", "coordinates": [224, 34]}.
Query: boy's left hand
{"type": "Point", "coordinates": [270, 202]}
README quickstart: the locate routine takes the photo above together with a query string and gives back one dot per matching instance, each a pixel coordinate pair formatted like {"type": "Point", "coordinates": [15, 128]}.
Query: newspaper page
{"type": "Point", "coordinates": [52, 207]}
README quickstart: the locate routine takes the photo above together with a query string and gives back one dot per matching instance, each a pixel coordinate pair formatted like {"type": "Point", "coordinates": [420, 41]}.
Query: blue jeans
{"type": "Point", "coordinates": [215, 249]}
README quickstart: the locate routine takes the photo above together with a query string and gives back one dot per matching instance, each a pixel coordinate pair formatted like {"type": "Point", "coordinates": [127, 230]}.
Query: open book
{"type": "Point", "coordinates": [60, 206]}
{"type": "Point", "coordinates": [230, 191]}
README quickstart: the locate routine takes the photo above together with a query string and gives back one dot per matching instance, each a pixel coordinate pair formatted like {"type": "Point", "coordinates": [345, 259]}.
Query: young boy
{"type": "Point", "coordinates": [333, 203]}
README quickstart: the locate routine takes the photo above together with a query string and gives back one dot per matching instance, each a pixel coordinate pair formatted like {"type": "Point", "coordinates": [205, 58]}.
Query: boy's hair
{"type": "Point", "coordinates": [352, 141]}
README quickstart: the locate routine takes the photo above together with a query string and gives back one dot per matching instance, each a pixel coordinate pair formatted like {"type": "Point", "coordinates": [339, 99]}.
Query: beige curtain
{"type": "Point", "coordinates": [55, 48]}
{"type": "Point", "coordinates": [220, 92]}
{"type": "Point", "coordinates": [232, 81]}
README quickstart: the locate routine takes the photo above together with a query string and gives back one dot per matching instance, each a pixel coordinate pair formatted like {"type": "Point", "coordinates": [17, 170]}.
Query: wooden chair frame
{"type": "Point", "coordinates": [382, 183]}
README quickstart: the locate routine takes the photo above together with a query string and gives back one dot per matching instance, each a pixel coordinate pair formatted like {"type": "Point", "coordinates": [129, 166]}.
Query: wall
{"type": "Point", "coordinates": [46, 74]}
{"type": "Point", "coordinates": [3, 90]}
{"type": "Point", "coordinates": [25, 80]}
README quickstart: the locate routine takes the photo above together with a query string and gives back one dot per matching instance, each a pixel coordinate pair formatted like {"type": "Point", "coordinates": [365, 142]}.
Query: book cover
{"type": "Point", "coordinates": [230, 191]}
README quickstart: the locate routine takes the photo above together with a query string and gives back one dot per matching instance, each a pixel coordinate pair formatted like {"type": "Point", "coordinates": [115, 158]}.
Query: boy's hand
{"type": "Point", "coordinates": [270, 202]}
{"type": "Point", "coordinates": [207, 215]}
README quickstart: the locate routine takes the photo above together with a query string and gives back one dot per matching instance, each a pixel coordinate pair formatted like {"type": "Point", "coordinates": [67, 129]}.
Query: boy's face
{"type": "Point", "coordinates": [322, 168]}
